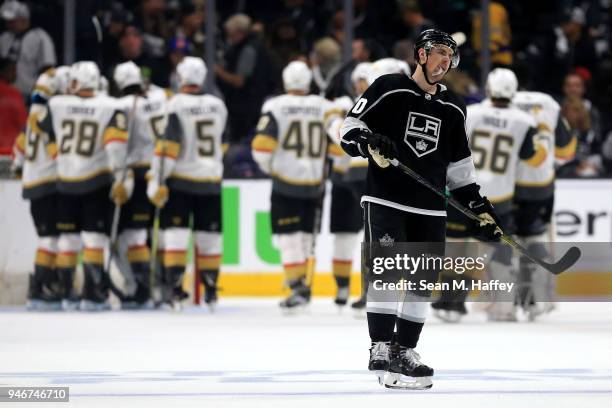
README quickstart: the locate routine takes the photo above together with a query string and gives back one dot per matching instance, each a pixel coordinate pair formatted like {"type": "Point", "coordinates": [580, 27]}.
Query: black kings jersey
{"type": "Point", "coordinates": [429, 131]}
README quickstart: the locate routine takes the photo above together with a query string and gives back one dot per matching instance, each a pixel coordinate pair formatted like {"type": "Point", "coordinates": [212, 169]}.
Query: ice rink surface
{"type": "Point", "coordinates": [248, 354]}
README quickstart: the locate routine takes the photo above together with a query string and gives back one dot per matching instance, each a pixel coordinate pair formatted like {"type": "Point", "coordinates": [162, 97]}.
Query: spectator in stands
{"type": "Point", "coordinates": [191, 28]}
{"type": "Point", "coordinates": [178, 48]}
{"type": "Point", "coordinates": [32, 48]}
{"type": "Point", "coordinates": [325, 60]}
{"type": "Point", "coordinates": [285, 42]}
{"type": "Point", "coordinates": [588, 160]}
{"type": "Point", "coordinates": [563, 48]}
{"type": "Point", "coordinates": [574, 87]}
{"type": "Point", "coordinates": [131, 48]}
{"type": "Point", "coordinates": [245, 78]}
{"type": "Point", "coordinates": [500, 34]}
{"type": "Point", "coordinates": [12, 108]}
{"type": "Point", "coordinates": [156, 27]}
{"type": "Point", "coordinates": [363, 50]}
{"type": "Point", "coordinates": [412, 21]}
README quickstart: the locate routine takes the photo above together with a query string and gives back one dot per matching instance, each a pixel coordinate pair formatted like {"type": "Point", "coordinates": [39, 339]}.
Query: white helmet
{"type": "Point", "coordinates": [62, 78]}
{"type": "Point", "coordinates": [501, 84]}
{"type": "Point", "coordinates": [297, 76]}
{"type": "Point", "coordinates": [84, 75]}
{"type": "Point", "coordinates": [127, 74]}
{"type": "Point", "coordinates": [361, 71]}
{"type": "Point", "coordinates": [52, 81]}
{"type": "Point", "coordinates": [387, 66]}
{"type": "Point", "coordinates": [191, 71]}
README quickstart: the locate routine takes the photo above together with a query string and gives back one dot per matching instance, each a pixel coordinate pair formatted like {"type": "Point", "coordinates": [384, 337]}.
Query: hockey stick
{"type": "Point", "coordinates": [318, 218]}
{"type": "Point", "coordinates": [113, 242]}
{"type": "Point", "coordinates": [567, 260]}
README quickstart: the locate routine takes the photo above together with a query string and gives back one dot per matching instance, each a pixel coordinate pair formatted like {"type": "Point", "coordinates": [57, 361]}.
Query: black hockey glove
{"type": "Point", "coordinates": [383, 144]}
{"type": "Point", "coordinates": [487, 229]}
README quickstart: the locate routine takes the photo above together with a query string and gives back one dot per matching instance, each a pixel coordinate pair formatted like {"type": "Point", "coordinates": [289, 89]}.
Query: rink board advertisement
{"type": "Point", "coordinates": [251, 260]}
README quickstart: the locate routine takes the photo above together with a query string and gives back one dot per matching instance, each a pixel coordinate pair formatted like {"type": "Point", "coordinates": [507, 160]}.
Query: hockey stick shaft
{"type": "Point", "coordinates": [566, 261]}
{"type": "Point", "coordinates": [117, 210]}
{"type": "Point", "coordinates": [311, 264]}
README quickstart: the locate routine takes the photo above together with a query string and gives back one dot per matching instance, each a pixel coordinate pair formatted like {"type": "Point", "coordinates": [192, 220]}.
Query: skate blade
{"type": "Point", "coordinates": [89, 306]}
{"type": "Point", "coordinates": [212, 307]}
{"type": "Point", "coordinates": [380, 375]}
{"type": "Point", "coordinates": [295, 310]}
{"type": "Point", "coordinates": [43, 306]}
{"type": "Point", "coordinates": [70, 305]}
{"type": "Point", "coordinates": [396, 381]}
{"type": "Point", "coordinates": [448, 316]}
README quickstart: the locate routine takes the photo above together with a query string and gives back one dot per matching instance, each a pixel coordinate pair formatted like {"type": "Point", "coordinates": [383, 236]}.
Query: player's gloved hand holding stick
{"type": "Point", "coordinates": [566, 261]}
{"type": "Point", "coordinates": [380, 148]}
{"type": "Point", "coordinates": [123, 186]}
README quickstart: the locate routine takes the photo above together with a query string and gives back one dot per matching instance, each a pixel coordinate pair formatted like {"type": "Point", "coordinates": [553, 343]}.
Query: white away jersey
{"type": "Point", "coordinates": [545, 111]}
{"type": "Point", "coordinates": [292, 143]}
{"type": "Point", "coordinates": [196, 124]}
{"type": "Point", "coordinates": [499, 138]}
{"type": "Point", "coordinates": [83, 128]}
{"type": "Point", "coordinates": [148, 123]}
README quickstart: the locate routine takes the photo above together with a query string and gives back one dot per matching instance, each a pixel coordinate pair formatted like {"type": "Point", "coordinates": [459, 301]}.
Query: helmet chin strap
{"type": "Point", "coordinates": [425, 71]}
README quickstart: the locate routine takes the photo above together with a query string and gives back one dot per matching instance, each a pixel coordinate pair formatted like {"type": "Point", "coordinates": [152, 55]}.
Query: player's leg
{"type": "Point", "coordinates": [135, 219]}
{"type": "Point", "coordinates": [502, 307]}
{"type": "Point", "coordinates": [68, 247]}
{"type": "Point", "coordinates": [207, 226]}
{"type": "Point", "coordinates": [287, 214]}
{"type": "Point", "coordinates": [450, 307]}
{"type": "Point", "coordinates": [406, 371]}
{"type": "Point", "coordinates": [536, 286]}
{"type": "Point", "coordinates": [345, 224]}
{"type": "Point", "coordinates": [95, 214]}
{"type": "Point", "coordinates": [382, 225]}
{"type": "Point", "coordinates": [44, 291]}
{"type": "Point", "coordinates": [175, 230]}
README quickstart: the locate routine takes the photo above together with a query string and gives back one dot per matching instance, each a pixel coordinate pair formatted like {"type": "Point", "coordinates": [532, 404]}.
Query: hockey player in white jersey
{"type": "Point", "coordinates": [34, 158]}
{"type": "Point", "coordinates": [90, 132]}
{"type": "Point", "coordinates": [146, 111]}
{"type": "Point", "coordinates": [186, 172]}
{"type": "Point", "coordinates": [501, 136]}
{"type": "Point", "coordinates": [534, 197]}
{"type": "Point", "coordinates": [348, 184]}
{"type": "Point", "coordinates": [291, 145]}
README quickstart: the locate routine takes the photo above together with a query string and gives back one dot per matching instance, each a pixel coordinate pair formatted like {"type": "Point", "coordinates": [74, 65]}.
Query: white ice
{"type": "Point", "coordinates": [249, 355]}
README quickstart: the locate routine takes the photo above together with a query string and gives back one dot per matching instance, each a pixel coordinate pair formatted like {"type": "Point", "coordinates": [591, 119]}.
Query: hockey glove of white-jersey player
{"type": "Point", "coordinates": [380, 148]}
{"type": "Point", "coordinates": [122, 189]}
{"type": "Point", "coordinates": [487, 229]}
{"type": "Point", "coordinates": [157, 193]}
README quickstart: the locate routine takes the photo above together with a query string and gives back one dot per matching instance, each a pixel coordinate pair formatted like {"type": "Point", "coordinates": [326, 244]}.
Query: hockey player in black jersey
{"type": "Point", "coordinates": [422, 124]}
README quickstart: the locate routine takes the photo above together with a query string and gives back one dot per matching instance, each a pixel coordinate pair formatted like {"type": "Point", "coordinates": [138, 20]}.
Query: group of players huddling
{"type": "Point", "coordinates": [83, 151]}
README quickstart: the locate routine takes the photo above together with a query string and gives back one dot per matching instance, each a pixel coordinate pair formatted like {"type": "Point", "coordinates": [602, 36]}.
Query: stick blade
{"type": "Point", "coordinates": [567, 261]}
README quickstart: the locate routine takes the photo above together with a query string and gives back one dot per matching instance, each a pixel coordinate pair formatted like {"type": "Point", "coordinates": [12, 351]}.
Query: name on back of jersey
{"type": "Point", "coordinates": [422, 133]}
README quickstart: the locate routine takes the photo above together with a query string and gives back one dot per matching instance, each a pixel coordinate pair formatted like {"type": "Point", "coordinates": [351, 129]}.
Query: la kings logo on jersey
{"type": "Point", "coordinates": [422, 133]}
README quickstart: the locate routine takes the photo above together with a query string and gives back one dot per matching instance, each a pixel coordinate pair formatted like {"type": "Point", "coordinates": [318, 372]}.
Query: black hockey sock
{"type": "Point", "coordinates": [381, 326]}
{"type": "Point", "coordinates": [341, 282]}
{"type": "Point", "coordinates": [408, 333]}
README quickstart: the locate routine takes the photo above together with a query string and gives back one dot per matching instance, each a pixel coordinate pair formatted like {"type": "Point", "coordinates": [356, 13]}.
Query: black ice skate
{"type": "Point", "coordinates": [43, 297]}
{"type": "Point", "coordinates": [209, 279]}
{"type": "Point", "coordinates": [406, 371]}
{"type": "Point", "coordinates": [449, 312]}
{"type": "Point", "coordinates": [379, 359]}
{"type": "Point", "coordinates": [359, 304]}
{"type": "Point", "coordinates": [298, 299]}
